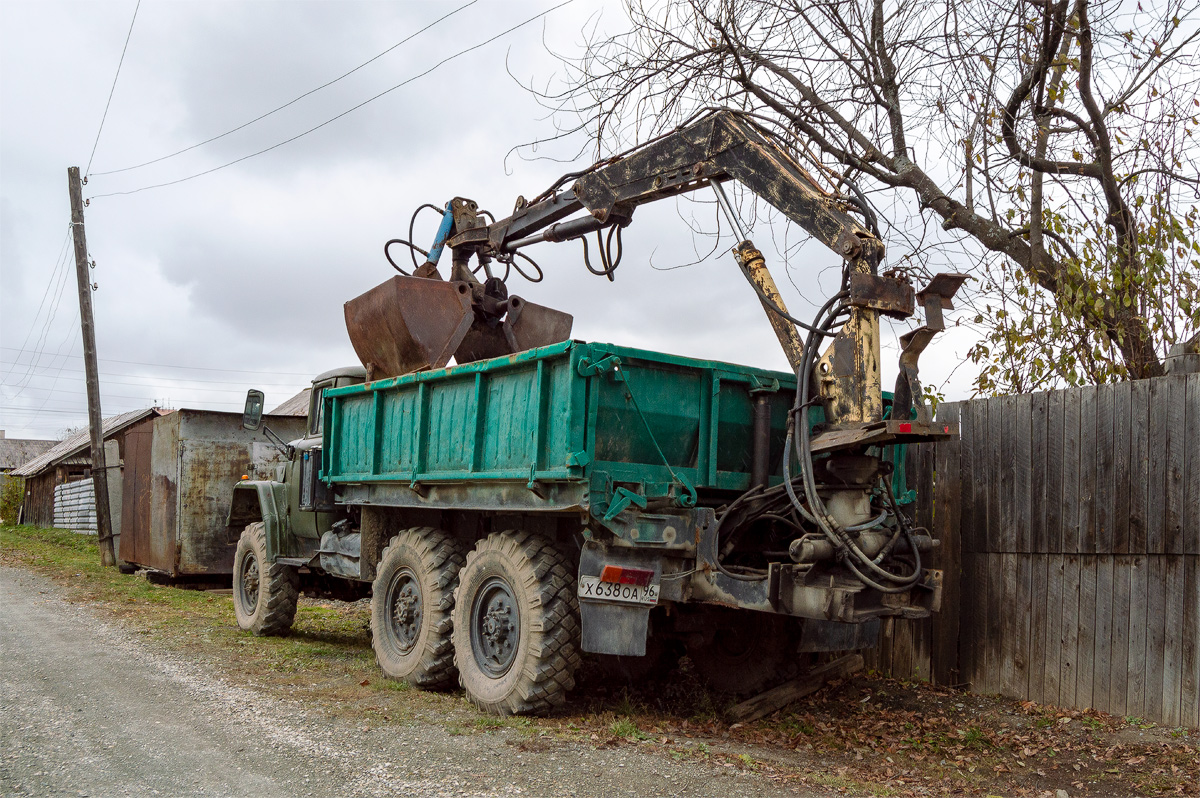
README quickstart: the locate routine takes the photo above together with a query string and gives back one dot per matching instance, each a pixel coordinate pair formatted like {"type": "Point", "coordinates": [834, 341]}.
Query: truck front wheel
{"type": "Point", "coordinates": [264, 593]}
{"type": "Point", "coordinates": [516, 625]}
{"type": "Point", "coordinates": [411, 603]}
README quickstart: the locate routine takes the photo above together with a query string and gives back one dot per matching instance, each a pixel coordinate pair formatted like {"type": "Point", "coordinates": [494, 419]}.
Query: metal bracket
{"type": "Point", "coordinates": [587, 368]}
{"type": "Point", "coordinates": [623, 498]}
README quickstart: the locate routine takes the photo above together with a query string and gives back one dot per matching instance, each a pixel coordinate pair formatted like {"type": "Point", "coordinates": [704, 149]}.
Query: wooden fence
{"type": "Point", "coordinates": [1070, 529]}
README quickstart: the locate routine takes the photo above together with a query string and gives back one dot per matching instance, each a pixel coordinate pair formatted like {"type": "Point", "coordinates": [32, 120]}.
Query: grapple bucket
{"type": "Point", "coordinates": [408, 324]}
{"type": "Point", "coordinates": [414, 323]}
{"type": "Point", "coordinates": [526, 326]}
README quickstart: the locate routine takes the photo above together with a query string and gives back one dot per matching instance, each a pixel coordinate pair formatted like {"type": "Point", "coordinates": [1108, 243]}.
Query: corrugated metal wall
{"type": "Point", "coordinates": [75, 506]}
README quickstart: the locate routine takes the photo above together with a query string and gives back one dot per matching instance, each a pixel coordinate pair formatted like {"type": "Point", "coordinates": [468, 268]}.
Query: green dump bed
{"type": "Point", "coordinates": [584, 416]}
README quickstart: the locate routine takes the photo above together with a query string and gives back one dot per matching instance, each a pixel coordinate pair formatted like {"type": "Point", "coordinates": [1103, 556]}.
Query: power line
{"type": "Point", "coordinates": [51, 315]}
{"type": "Point", "coordinates": [445, 60]}
{"type": "Point", "coordinates": [63, 369]}
{"type": "Point", "coordinates": [189, 368]}
{"type": "Point", "coordinates": [53, 275]}
{"type": "Point", "coordinates": [114, 87]}
{"type": "Point", "coordinates": [291, 102]}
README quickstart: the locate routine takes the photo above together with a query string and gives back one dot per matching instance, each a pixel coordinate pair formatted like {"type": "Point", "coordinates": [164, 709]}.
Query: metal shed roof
{"type": "Point", "coordinates": [296, 406]}
{"type": "Point", "coordinates": [80, 441]}
{"type": "Point", "coordinates": [15, 452]}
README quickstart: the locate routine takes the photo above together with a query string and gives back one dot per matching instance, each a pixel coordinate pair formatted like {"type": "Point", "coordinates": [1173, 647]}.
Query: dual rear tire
{"type": "Point", "coordinates": [504, 619]}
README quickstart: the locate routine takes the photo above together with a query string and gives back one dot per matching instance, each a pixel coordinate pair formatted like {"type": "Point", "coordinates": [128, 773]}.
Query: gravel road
{"type": "Point", "coordinates": [86, 708]}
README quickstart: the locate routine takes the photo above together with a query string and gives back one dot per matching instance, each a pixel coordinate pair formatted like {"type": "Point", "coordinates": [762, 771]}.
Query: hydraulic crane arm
{"type": "Point", "coordinates": [719, 147]}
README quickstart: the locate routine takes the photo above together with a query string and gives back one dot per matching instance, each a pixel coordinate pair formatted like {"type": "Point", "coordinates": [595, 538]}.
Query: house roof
{"type": "Point", "coordinates": [296, 406]}
{"type": "Point", "coordinates": [18, 451]}
{"type": "Point", "coordinates": [80, 441]}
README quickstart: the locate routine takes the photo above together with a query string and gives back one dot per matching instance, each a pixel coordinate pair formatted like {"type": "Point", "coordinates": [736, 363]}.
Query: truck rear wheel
{"type": "Point", "coordinates": [412, 599]}
{"type": "Point", "coordinates": [516, 625]}
{"type": "Point", "coordinates": [264, 593]}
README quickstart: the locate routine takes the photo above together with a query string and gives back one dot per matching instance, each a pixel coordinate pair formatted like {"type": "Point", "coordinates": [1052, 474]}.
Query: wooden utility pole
{"type": "Point", "coordinates": [91, 370]}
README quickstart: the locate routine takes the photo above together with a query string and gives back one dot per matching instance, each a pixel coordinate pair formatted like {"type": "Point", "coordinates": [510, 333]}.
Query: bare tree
{"type": "Point", "coordinates": [1051, 143]}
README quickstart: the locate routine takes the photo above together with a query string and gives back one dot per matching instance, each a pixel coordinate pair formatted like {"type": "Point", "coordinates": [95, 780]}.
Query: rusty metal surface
{"type": "Point", "coordinates": [135, 489]}
{"type": "Point", "coordinates": [888, 295]}
{"type": "Point", "coordinates": [408, 324]}
{"type": "Point", "coordinates": [185, 489]}
{"type": "Point", "coordinates": [526, 326]}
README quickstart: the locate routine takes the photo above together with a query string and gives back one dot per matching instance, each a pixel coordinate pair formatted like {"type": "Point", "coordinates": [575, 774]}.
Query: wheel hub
{"type": "Point", "coordinates": [406, 610]}
{"type": "Point", "coordinates": [495, 627]}
{"type": "Point", "coordinates": [250, 581]}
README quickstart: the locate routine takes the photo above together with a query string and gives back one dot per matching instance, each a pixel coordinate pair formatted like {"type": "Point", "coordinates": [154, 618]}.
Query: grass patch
{"type": "Point", "coordinates": [627, 729]}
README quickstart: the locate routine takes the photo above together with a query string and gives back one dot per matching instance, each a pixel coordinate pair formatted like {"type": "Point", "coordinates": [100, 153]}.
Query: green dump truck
{"type": "Point", "coordinates": [546, 497]}
{"type": "Point", "coordinates": [511, 513]}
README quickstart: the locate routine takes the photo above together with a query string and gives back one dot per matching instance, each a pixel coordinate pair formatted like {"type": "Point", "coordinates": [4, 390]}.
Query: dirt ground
{"type": "Point", "coordinates": [310, 713]}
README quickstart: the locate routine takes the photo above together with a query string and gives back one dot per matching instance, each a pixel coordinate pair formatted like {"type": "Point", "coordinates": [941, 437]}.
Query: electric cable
{"type": "Point", "coordinates": [290, 102]}
{"type": "Point", "coordinates": [104, 116]}
{"type": "Point", "coordinates": [315, 128]}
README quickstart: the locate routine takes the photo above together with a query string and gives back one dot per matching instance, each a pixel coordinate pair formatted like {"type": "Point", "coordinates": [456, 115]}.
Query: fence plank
{"type": "Point", "coordinates": [1040, 405]}
{"type": "Point", "coordinates": [1070, 649]}
{"type": "Point", "coordinates": [1189, 701]}
{"type": "Point", "coordinates": [1006, 634]}
{"type": "Point", "coordinates": [1071, 471]}
{"type": "Point", "coordinates": [997, 531]}
{"type": "Point", "coordinates": [1173, 620]}
{"type": "Point", "coordinates": [1175, 486]}
{"type": "Point", "coordinates": [944, 665]}
{"type": "Point", "coordinates": [1139, 465]}
{"type": "Point", "coordinates": [1102, 622]}
{"type": "Point", "coordinates": [1102, 498]}
{"type": "Point", "coordinates": [968, 414]}
{"type": "Point", "coordinates": [1009, 533]}
{"type": "Point", "coordinates": [1156, 633]}
{"type": "Point", "coordinates": [1053, 620]}
{"type": "Point", "coordinates": [1088, 451]}
{"type": "Point", "coordinates": [1119, 670]}
{"type": "Point", "coordinates": [1122, 416]}
{"type": "Point", "coordinates": [992, 637]}
{"type": "Point", "coordinates": [1086, 657]}
{"type": "Point", "coordinates": [1023, 607]}
{"type": "Point", "coordinates": [1191, 524]}
{"type": "Point", "coordinates": [1135, 687]}
{"type": "Point", "coordinates": [1160, 395]}
{"type": "Point", "coordinates": [1038, 627]}
{"type": "Point", "coordinates": [1055, 468]}
{"type": "Point", "coordinates": [1021, 466]}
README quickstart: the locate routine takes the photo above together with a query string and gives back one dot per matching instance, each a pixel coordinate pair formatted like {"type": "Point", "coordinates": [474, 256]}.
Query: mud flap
{"type": "Point", "coordinates": [609, 627]}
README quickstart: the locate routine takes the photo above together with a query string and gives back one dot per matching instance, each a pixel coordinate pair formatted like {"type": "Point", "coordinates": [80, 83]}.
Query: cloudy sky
{"type": "Point", "coordinates": [236, 278]}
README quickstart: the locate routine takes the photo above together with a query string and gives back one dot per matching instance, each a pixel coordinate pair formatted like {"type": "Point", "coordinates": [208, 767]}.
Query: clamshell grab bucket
{"type": "Point", "coordinates": [408, 324]}
{"type": "Point", "coordinates": [411, 324]}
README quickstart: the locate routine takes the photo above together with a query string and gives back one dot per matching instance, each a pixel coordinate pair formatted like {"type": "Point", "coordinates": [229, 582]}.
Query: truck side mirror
{"type": "Point", "coordinates": [252, 415]}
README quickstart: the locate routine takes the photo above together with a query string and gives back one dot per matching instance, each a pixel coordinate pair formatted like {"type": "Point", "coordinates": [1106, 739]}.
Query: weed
{"type": "Point", "coordinates": [488, 722]}
{"type": "Point", "coordinates": [395, 685]}
{"type": "Point", "coordinates": [974, 737]}
{"type": "Point", "coordinates": [626, 728]}
{"type": "Point", "coordinates": [747, 761]}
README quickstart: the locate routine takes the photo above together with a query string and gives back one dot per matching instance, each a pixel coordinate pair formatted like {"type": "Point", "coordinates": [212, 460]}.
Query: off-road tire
{"type": "Point", "coordinates": [541, 589]}
{"type": "Point", "coordinates": [412, 601]}
{"type": "Point", "coordinates": [265, 605]}
{"type": "Point", "coordinates": [745, 658]}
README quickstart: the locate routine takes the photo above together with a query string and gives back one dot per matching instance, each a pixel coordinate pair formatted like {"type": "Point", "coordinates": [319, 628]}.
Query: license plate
{"type": "Point", "coordinates": [590, 587]}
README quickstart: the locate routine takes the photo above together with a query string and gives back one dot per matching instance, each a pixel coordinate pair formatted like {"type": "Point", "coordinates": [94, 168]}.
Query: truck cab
{"type": "Point", "coordinates": [282, 519]}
